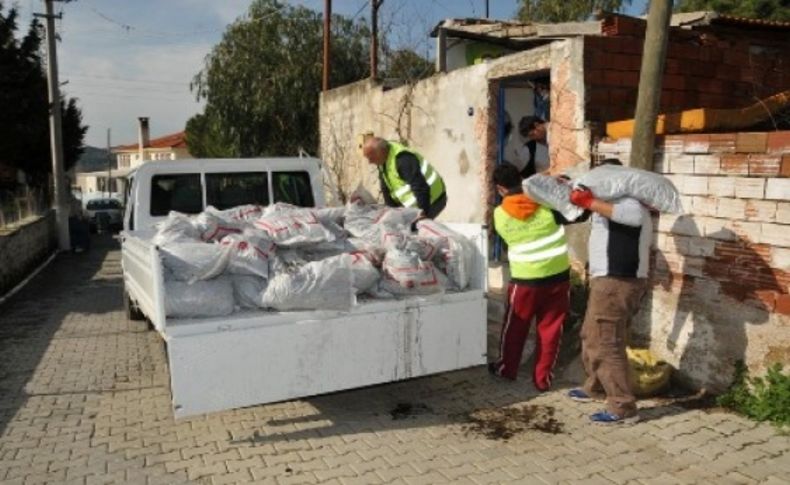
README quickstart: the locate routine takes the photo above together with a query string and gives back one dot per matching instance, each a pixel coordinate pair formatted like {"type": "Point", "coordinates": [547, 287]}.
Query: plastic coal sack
{"type": "Point", "coordinates": [611, 182]}
{"type": "Point", "coordinates": [318, 285]}
{"type": "Point", "coordinates": [212, 298]}
{"type": "Point", "coordinates": [550, 192]}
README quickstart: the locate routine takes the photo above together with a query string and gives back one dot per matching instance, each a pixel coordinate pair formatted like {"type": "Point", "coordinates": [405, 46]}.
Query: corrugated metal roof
{"type": "Point", "coordinates": [702, 18]}
{"type": "Point", "coordinates": [750, 21]}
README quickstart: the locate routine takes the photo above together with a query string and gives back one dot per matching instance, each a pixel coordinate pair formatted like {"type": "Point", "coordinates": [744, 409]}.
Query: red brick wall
{"type": "Point", "coordinates": [715, 68]}
{"type": "Point", "coordinates": [720, 273]}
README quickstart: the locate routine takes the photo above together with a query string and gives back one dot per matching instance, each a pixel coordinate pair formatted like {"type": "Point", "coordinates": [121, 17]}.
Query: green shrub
{"type": "Point", "coordinates": [760, 398]}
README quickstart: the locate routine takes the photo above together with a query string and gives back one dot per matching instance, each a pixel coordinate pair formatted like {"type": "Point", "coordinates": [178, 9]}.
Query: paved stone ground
{"type": "Point", "coordinates": [84, 398]}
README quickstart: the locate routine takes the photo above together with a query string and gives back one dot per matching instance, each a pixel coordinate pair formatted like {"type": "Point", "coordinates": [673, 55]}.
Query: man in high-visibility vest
{"type": "Point", "coordinates": [406, 178]}
{"type": "Point", "coordinates": [539, 278]}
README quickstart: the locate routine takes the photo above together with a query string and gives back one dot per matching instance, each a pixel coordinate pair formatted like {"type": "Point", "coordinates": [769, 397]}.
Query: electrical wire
{"type": "Point", "coordinates": [360, 10]}
{"type": "Point", "coordinates": [128, 27]}
{"type": "Point", "coordinates": [124, 79]}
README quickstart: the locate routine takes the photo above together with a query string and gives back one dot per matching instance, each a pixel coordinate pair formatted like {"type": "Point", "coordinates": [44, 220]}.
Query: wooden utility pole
{"type": "Point", "coordinates": [486, 8]}
{"type": "Point", "coordinates": [374, 38]}
{"type": "Point", "coordinates": [61, 190]}
{"type": "Point", "coordinates": [648, 100]}
{"type": "Point", "coordinates": [327, 26]}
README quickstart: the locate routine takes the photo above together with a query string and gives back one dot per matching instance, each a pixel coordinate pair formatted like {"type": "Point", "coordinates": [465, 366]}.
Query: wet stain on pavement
{"type": "Point", "coordinates": [505, 423]}
{"type": "Point", "coordinates": [405, 410]}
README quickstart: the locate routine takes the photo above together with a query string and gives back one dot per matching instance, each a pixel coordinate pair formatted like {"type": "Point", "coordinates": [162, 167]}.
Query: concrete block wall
{"type": "Point", "coordinates": [712, 68]}
{"type": "Point", "coordinates": [22, 249]}
{"type": "Point", "coordinates": [720, 273]}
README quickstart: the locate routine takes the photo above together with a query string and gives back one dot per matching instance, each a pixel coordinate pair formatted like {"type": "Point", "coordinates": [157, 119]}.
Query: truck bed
{"type": "Point", "coordinates": [257, 357]}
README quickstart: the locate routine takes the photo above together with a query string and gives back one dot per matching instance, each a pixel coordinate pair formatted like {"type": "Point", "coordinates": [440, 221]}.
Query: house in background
{"type": "Point", "coordinates": [128, 157]}
{"type": "Point", "coordinates": [167, 147]}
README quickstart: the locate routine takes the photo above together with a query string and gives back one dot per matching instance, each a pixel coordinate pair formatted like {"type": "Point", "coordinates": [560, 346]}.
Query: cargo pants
{"type": "Point", "coordinates": [612, 303]}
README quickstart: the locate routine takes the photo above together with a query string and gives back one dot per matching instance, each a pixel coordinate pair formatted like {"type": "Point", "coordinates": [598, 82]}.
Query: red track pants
{"type": "Point", "coordinates": [549, 305]}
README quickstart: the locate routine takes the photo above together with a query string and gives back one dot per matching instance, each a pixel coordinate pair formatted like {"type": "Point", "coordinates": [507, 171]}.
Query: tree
{"type": "Point", "coordinates": [759, 9]}
{"type": "Point", "coordinates": [407, 66]}
{"type": "Point", "coordinates": [553, 11]}
{"type": "Point", "coordinates": [24, 116]}
{"type": "Point", "coordinates": [262, 81]}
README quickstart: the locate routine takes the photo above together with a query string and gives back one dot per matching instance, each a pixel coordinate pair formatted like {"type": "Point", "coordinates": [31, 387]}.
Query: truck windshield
{"type": "Point", "coordinates": [226, 190]}
{"type": "Point", "coordinates": [176, 192]}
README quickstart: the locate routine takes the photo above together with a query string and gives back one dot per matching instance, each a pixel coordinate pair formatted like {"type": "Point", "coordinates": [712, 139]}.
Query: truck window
{"type": "Point", "coordinates": [226, 190]}
{"type": "Point", "coordinates": [293, 188]}
{"type": "Point", "coordinates": [176, 192]}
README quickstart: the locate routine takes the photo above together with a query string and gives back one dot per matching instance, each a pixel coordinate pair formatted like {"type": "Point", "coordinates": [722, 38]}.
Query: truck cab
{"type": "Point", "coordinates": [189, 186]}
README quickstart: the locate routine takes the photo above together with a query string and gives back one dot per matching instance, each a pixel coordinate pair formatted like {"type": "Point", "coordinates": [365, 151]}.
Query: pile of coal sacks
{"type": "Point", "coordinates": [284, 258]}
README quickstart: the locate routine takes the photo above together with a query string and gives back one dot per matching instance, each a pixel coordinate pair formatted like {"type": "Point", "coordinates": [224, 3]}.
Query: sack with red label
{"type": "Point", "coordinates": [364, 275]}
{"type": "Point", "coordinates": [249, 254]}
{"type": "Point", "coordinates": [404, 273]}
{"type": "Point", "coordinates": [455, 255]}
{"type": "Point", "coordinates": [295, 228]}
{"type": "Point", "coordinates": [213, 227]}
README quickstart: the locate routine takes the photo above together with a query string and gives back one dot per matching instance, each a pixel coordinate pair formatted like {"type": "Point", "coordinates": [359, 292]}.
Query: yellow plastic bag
{"type": "Point", "coordinates": [648, 375]}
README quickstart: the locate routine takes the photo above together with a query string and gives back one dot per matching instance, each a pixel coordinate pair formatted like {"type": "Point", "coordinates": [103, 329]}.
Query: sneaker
{"type": "Point", "coordinates": [492, 369]}
{"type": "Point", "coordinates": [605, 417]}
{"type": "Point", "coordinates": [579, 395]}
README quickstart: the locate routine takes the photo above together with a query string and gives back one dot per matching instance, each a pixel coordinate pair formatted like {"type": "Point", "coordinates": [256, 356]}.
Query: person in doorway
{"type": "Point", "coordinates": [619, 249]}
{"type": "Point", "coordinates": [406, 178]}
{"type": "Point", "coordinates": [539, 279]}
{"type": "Point", "coordinates": [534, 152]}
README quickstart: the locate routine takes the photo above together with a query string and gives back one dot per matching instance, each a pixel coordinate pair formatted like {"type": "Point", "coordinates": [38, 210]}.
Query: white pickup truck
{"type": "Point", "coordinates": [256, 357]}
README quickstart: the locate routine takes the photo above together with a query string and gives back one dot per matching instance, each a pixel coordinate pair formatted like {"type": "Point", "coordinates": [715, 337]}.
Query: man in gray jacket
{"type": "Point", "coordinates": [619, 252]}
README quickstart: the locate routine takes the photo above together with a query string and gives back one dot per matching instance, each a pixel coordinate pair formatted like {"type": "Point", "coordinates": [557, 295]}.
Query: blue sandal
{"type": "Point", "coordinates": [605, 417]}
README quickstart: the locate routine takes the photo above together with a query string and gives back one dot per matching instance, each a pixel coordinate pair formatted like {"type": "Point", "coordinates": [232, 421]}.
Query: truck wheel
{"type": "Point", "coordinates": [131, 310]}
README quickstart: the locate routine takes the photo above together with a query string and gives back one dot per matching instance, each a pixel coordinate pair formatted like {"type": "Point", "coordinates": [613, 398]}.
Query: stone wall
{"type": "Point", "coordinates": [720, 275]}
{"type": "Point", "coordinates": [23, 248]}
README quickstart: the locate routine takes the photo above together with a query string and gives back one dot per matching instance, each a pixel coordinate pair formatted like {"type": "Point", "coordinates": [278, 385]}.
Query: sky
{"type": "Point", "coordinates": [125, 59]}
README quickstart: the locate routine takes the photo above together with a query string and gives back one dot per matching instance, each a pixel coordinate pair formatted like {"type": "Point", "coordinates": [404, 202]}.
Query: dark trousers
{"type": "Point", "coordinates": [612, 303]}
{"type": "Point", "coordinates": [548, 304]}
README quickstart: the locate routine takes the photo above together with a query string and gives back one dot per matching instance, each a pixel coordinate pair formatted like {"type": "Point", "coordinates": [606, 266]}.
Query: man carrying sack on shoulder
{"type": "Point", "coordinates": [539, 279]}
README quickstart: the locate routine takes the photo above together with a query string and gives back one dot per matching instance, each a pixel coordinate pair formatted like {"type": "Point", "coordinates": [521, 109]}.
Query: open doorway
{"type": "Point", "coordinates": [519, 99]}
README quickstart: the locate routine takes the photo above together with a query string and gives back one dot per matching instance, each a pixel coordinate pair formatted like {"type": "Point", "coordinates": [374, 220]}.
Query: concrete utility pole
{"type": "Point", "coordinates": [647, 103]}
{"type": "Point", "coordinates": [61, 201]}
{"type": "Point", "coordinates": [374, 38]}
{"type": "Point", "coordinates": [327, 26]}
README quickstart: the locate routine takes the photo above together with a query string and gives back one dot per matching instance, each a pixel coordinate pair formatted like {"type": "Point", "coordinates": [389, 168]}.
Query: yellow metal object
{"type": "Point", "coordinates": [707, 119]}
{"type": "Point", "coordinates": [648, 375]}
{"type": "Point", "coordinates": [361, 138]}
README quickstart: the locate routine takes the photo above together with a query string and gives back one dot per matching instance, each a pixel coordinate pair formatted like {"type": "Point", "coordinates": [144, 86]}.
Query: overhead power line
{"type": "Point", "coordinates": [129, 28]}
{"type": "Point", "coordinates": [125, 79]}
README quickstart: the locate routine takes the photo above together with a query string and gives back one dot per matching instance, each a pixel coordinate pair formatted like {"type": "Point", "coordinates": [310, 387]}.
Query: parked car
{"type": "Point", "coordinates": [104, 211]}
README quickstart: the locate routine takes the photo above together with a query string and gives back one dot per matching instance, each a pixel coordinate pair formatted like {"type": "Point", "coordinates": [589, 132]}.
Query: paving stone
{"type": "Point", "coordinates": [85, 399]}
